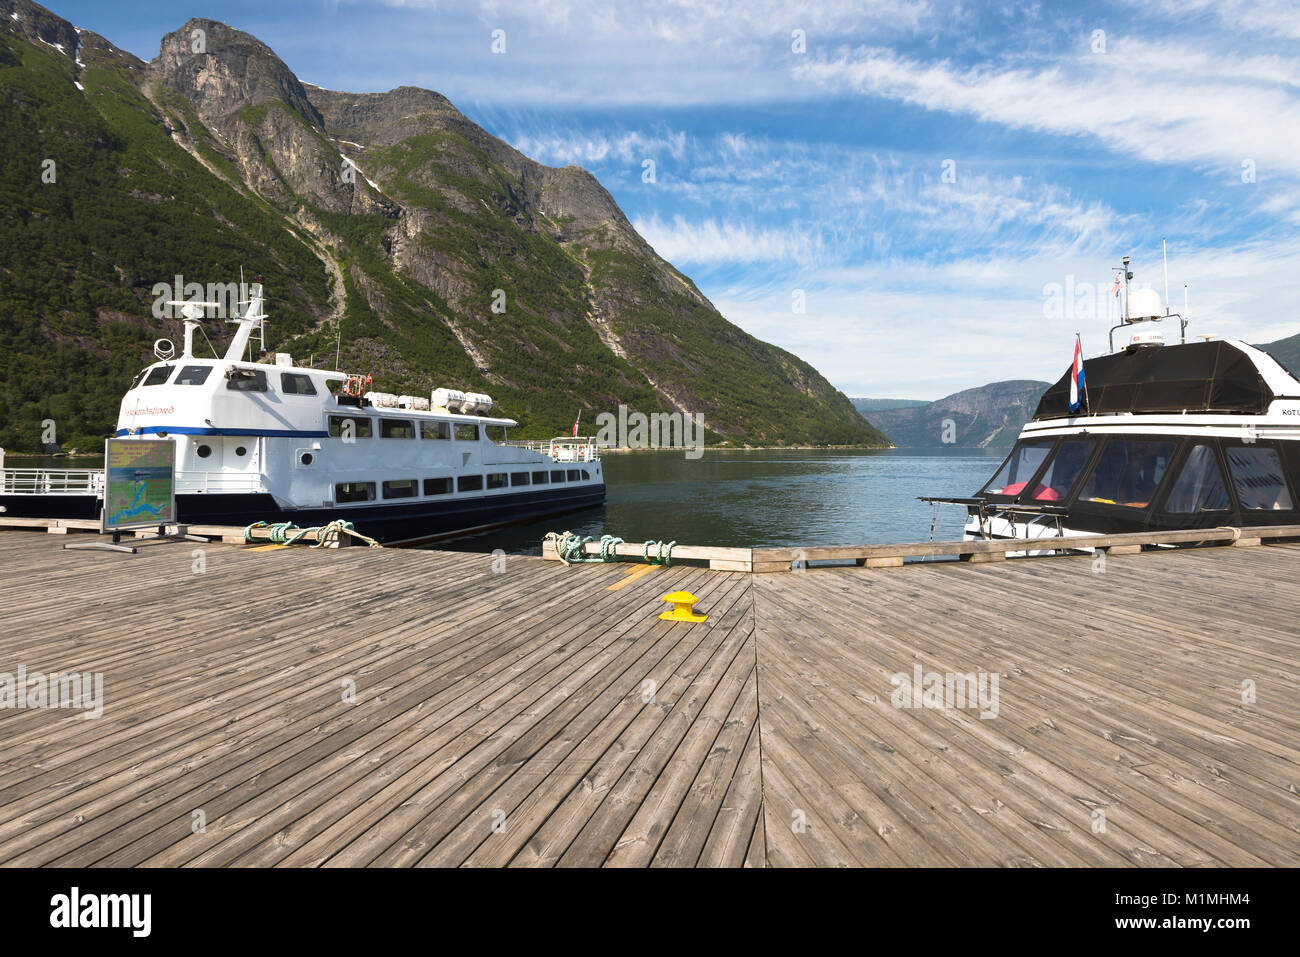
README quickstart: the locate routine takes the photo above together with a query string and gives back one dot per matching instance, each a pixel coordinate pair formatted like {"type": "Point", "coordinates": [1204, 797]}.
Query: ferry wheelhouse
{"type": "Point", "coordinates": [1180, 436]}
{"type": "Point", "coordinates": [275, 442]}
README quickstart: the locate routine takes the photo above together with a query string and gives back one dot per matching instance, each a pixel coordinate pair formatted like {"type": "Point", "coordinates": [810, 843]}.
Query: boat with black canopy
{"type": "Point", "coordinates": [1151, 437]}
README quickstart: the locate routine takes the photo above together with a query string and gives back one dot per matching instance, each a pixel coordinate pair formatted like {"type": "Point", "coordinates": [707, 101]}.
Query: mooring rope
{"type": "Point", "coordinates": [287, 533]}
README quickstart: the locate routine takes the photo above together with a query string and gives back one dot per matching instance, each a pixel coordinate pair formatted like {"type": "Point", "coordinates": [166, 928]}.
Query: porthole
{"type": "Point", "coordinates": [241, 451]}
{"type": "Point", "coordinates": [203, 451]}
{"type": "Point", "coordinates": [308, 458]}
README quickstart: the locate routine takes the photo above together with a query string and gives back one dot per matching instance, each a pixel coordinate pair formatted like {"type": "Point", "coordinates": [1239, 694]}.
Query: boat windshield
{"type": "Point", "coordinates": [1064, 468]}
{"type": "Point", "coordinates": [1019, 467]}
{"type": "Point", "coordinates": [1128, 473]}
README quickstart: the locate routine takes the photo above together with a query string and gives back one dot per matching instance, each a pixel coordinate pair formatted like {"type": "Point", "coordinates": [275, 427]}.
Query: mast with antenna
{"type": "Point", "coordinates": [1164, 250]}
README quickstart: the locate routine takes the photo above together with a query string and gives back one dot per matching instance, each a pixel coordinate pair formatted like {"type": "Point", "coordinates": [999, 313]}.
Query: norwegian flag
{"type": "Point", "coordinates": [575, 423]}
{"type": "Point", "coordinates": [1076, 376]}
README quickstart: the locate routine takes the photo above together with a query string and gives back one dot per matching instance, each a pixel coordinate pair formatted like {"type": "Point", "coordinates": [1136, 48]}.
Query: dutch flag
{"type": "Point", "coordinates": [1076, 376]}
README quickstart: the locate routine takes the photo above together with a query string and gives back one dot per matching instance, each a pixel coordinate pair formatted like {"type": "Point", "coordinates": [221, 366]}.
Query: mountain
{"type": "Point", "coordinates": [384, 224]}
{"type": "Point", "coordinates": [864, 405]}
{"type": "Point", "coordinates": [1285, 351]}
{"type": "Point", "coordinates": [987, 417]}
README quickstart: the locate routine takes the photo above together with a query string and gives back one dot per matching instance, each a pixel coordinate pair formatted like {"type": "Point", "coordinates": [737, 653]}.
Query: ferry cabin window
{"type": "Point", "coordinates": [360, 427]}
{"type": "Point", "coordinates": [1019, 467]}
{"type": "Point", "coordinates": [1127, 473]}
{"type": "Point", "coordinates": [193, 375]}
{"type": "Point", "coordinates": [557, 475]}
{"type": "Point", "coordinates": [1258, 477]}
{"type": "Point", "coordinates": [469, 483]}
{"type": "Point", "coordinates": [466, 433]}
{"type": "Point", "coordinates": [435, 430]}
{"type": "Point", "coordinates": [437, 486]}
{"type": "Point", "coordinates": [539, 478]}
{"type": "Point", "coordinates": [401, 488]}
{"type": "Point", "coordinates": [246, 380]}
{"type": "Point", "coordinates": [497, 480]}
{"type": "Point", "coordinates": [1068, 461]}
{"type": "Point", "coordinates": [396, 429]}
{"type": "Point", "coordinates": [295, 383]}
{"type": "Point", "coordinates": [518, 478]}
{"type": "Point", "coordinates": [354, 492]}
{"type": "Point", "coordinates": [495, 433]}
{"type": "Point", "coordinates": [575, 475]}
{"type": "Point", "coordinates": [1199, 487]}
{"type": "Point", "coordinates": [158, 375]}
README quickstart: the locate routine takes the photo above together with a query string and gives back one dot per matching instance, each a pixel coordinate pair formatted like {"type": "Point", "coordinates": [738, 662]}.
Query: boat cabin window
{"type": "Point", "coordinates": [518, 478]}
{"type": "Point", "coordinates": [469, 483]}
{"type": "Point", "coordinates": [396, 429]}
{"type": "Point", "coordinates": [295, 383]}
{"type": "Point", "coordinates": [350, 426]}
{"type": "Point", "coordinates": [1258, 477]}
{"type": "Point", "coordinates": [557, 475]}
{"type": "Point", "coordinates": [158, 375]}
{"type": "Point", "coordinates": [435, 430]}
{"type": "Point", "coordinates": [495, 433]}
{"type": "Point", "coordinates": [1019, 467]}
{"type": "Point", "coordinates": [245, 380]}
{"type": "Point", "coordinates": [575, 475]}
{"type": "Point", "coordinates": [497, 480]}
{"type": "Point", "coordinates": [437, 486]}
{"type": "Point", "coordinates": [1200, 486]}
{"type": "Point", "coordinates": [1128, 473]}
{"type": "Point", "coordinates": [1066, 464]}
{"type": "Point", "coordinates": [539, 478]}
{"type": "Point", "coordinates": [466, 432]}
{"type": "Point", "coordinates": [193, 375]}
{"type": "Point", "coordinates": [354, 492]}
{"type": "Point", "coordinates": [401, 488]}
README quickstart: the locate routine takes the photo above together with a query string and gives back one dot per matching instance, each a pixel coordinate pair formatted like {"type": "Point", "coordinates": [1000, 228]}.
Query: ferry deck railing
{"type": "Point", "coordinates": [91, 482]}
{"type": "Point", "coordinates": [564, 448]}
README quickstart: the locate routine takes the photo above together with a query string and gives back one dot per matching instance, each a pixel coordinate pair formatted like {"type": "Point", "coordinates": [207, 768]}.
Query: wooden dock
{"type": "Point", "coordinates": [284, 706]}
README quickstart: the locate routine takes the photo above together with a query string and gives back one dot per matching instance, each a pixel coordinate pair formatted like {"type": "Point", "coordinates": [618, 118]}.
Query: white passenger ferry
{"type": "Point", "coordinates": [275, 442]}
{"type": "Point", "coordinates": [1160, 437]}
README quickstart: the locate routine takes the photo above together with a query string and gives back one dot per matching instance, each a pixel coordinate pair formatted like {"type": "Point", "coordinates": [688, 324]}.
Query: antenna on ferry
{"type": "Point", "coordinates": [1186, 316]}
{"type": "Point", "coordinates": [253, 318]}
{"type": "Point", "coordinates": [192, 316]}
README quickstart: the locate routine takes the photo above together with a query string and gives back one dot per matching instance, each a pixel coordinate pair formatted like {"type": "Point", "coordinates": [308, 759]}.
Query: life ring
{"type": "Point", "coordinates": [355, 386]}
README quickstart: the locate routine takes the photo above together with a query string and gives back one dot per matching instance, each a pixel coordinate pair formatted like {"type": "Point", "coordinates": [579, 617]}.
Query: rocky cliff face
{"type": "Point", "coordinates": [387, 225]}
{"type": "Point", "coordinates": [988, 417]}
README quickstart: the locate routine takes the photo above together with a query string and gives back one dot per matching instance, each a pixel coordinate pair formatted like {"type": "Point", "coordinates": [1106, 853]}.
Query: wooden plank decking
{"type": "Point", "coordinates": [543, 715]}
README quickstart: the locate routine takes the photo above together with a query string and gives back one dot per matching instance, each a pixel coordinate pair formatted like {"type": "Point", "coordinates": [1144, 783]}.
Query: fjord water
{"type": "Point", "coordinates": [766, 497]}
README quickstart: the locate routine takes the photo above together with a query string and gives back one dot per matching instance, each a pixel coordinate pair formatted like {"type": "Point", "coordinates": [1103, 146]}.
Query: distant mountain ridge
{"type": "Point", "coordinates": [865, 405]}
{"type": "Point", "coordinates": [437, 254]}
{"type": "Point", "coordinates": [987, 417]}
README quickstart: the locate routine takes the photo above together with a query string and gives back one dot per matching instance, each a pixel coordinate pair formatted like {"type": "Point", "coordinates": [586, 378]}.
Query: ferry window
{"type": "Point", "coordinates": [193, 375]}
{"type": "Point", "coordinates": [518, 478]}
{"type": "Point", "coordinates": [1127, 473]}
{"type": "Point", "coordinates": [469, 483]}
{"type": "Point", "coordinates": [495, 433]}
{"type": "Point", "coordinates": [557, 475]}
{"type": "Point", "coordinates": [396, 429]}
{"type": "Point", "coordinates": [586, 476]}
{"type": "Point", "coordinates": [245, 380]}
{"type": "Point", "coordinates": [435, 430]}
{"type": "Point", "coordinates": [359, 429]}
{"type": "Point", "coordinates": [158, 375]}
{"type": "Point", "coordinates": [1066, 464]}
{"type": "Point", "coordinates": [1258, 477]}
{"type": "Point", "coordinates": [574, 475]}
{"type": "Point", "coordinates": [437, 486]}
{"type": "Point", "coordinates": [497, 480]}
{"type": "Point", "coordinates": [354, 492]}
{"type": "Point", "coordinates": [401, 488]}
{"type": "Point", "coordinates": [539, 478]}
{"type": "Point", "coordinates": [1200, 485]}
{"type": "Point", "coordinates": [466, 433]}
{"type": "Point", "coordinates": [203, 451]}
{"type": "Point", "coordinates": [1019, 467]}
{"type": "Point", "coordinates": [295, 383]}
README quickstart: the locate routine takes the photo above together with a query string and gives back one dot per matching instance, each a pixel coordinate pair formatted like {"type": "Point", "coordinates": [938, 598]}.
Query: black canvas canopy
{"type": "Point", "coordinates": [1196, 377]}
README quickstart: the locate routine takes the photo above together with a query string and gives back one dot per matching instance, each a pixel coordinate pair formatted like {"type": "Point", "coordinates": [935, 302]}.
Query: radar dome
{"type": "Point", "coordinates": [1145, 304]}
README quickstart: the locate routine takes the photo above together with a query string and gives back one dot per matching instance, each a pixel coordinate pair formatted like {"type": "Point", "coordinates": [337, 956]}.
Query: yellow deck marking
{"type": "Point", "coordinates": [629, 577]}
{"type": "Point", "coordinates": [264, 548]}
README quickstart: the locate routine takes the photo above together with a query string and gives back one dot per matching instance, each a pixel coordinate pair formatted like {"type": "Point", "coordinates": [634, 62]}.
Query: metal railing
{"type": "Point", "coordinates": [563, 449]}
{"type": "Point", "coordinates": [191, 482]}
{"type": "Point", "coordinates": [52, 481]}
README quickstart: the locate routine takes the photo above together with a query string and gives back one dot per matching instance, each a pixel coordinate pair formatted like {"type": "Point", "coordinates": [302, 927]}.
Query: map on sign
{"type": "Point", "coordinates": [139, 483]}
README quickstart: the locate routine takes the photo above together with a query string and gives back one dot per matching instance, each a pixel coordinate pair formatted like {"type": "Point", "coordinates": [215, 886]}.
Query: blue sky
{"type": "Point", "coordinates": [922, 176]}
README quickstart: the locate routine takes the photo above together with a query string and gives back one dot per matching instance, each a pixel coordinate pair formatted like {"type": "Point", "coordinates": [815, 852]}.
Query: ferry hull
{"type": "Point", "coordinates": [396, 523]}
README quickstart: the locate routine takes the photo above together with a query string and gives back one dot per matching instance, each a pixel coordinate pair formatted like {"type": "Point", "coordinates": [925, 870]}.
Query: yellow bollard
{"type": "Point", "coordinates": [683, 607]}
